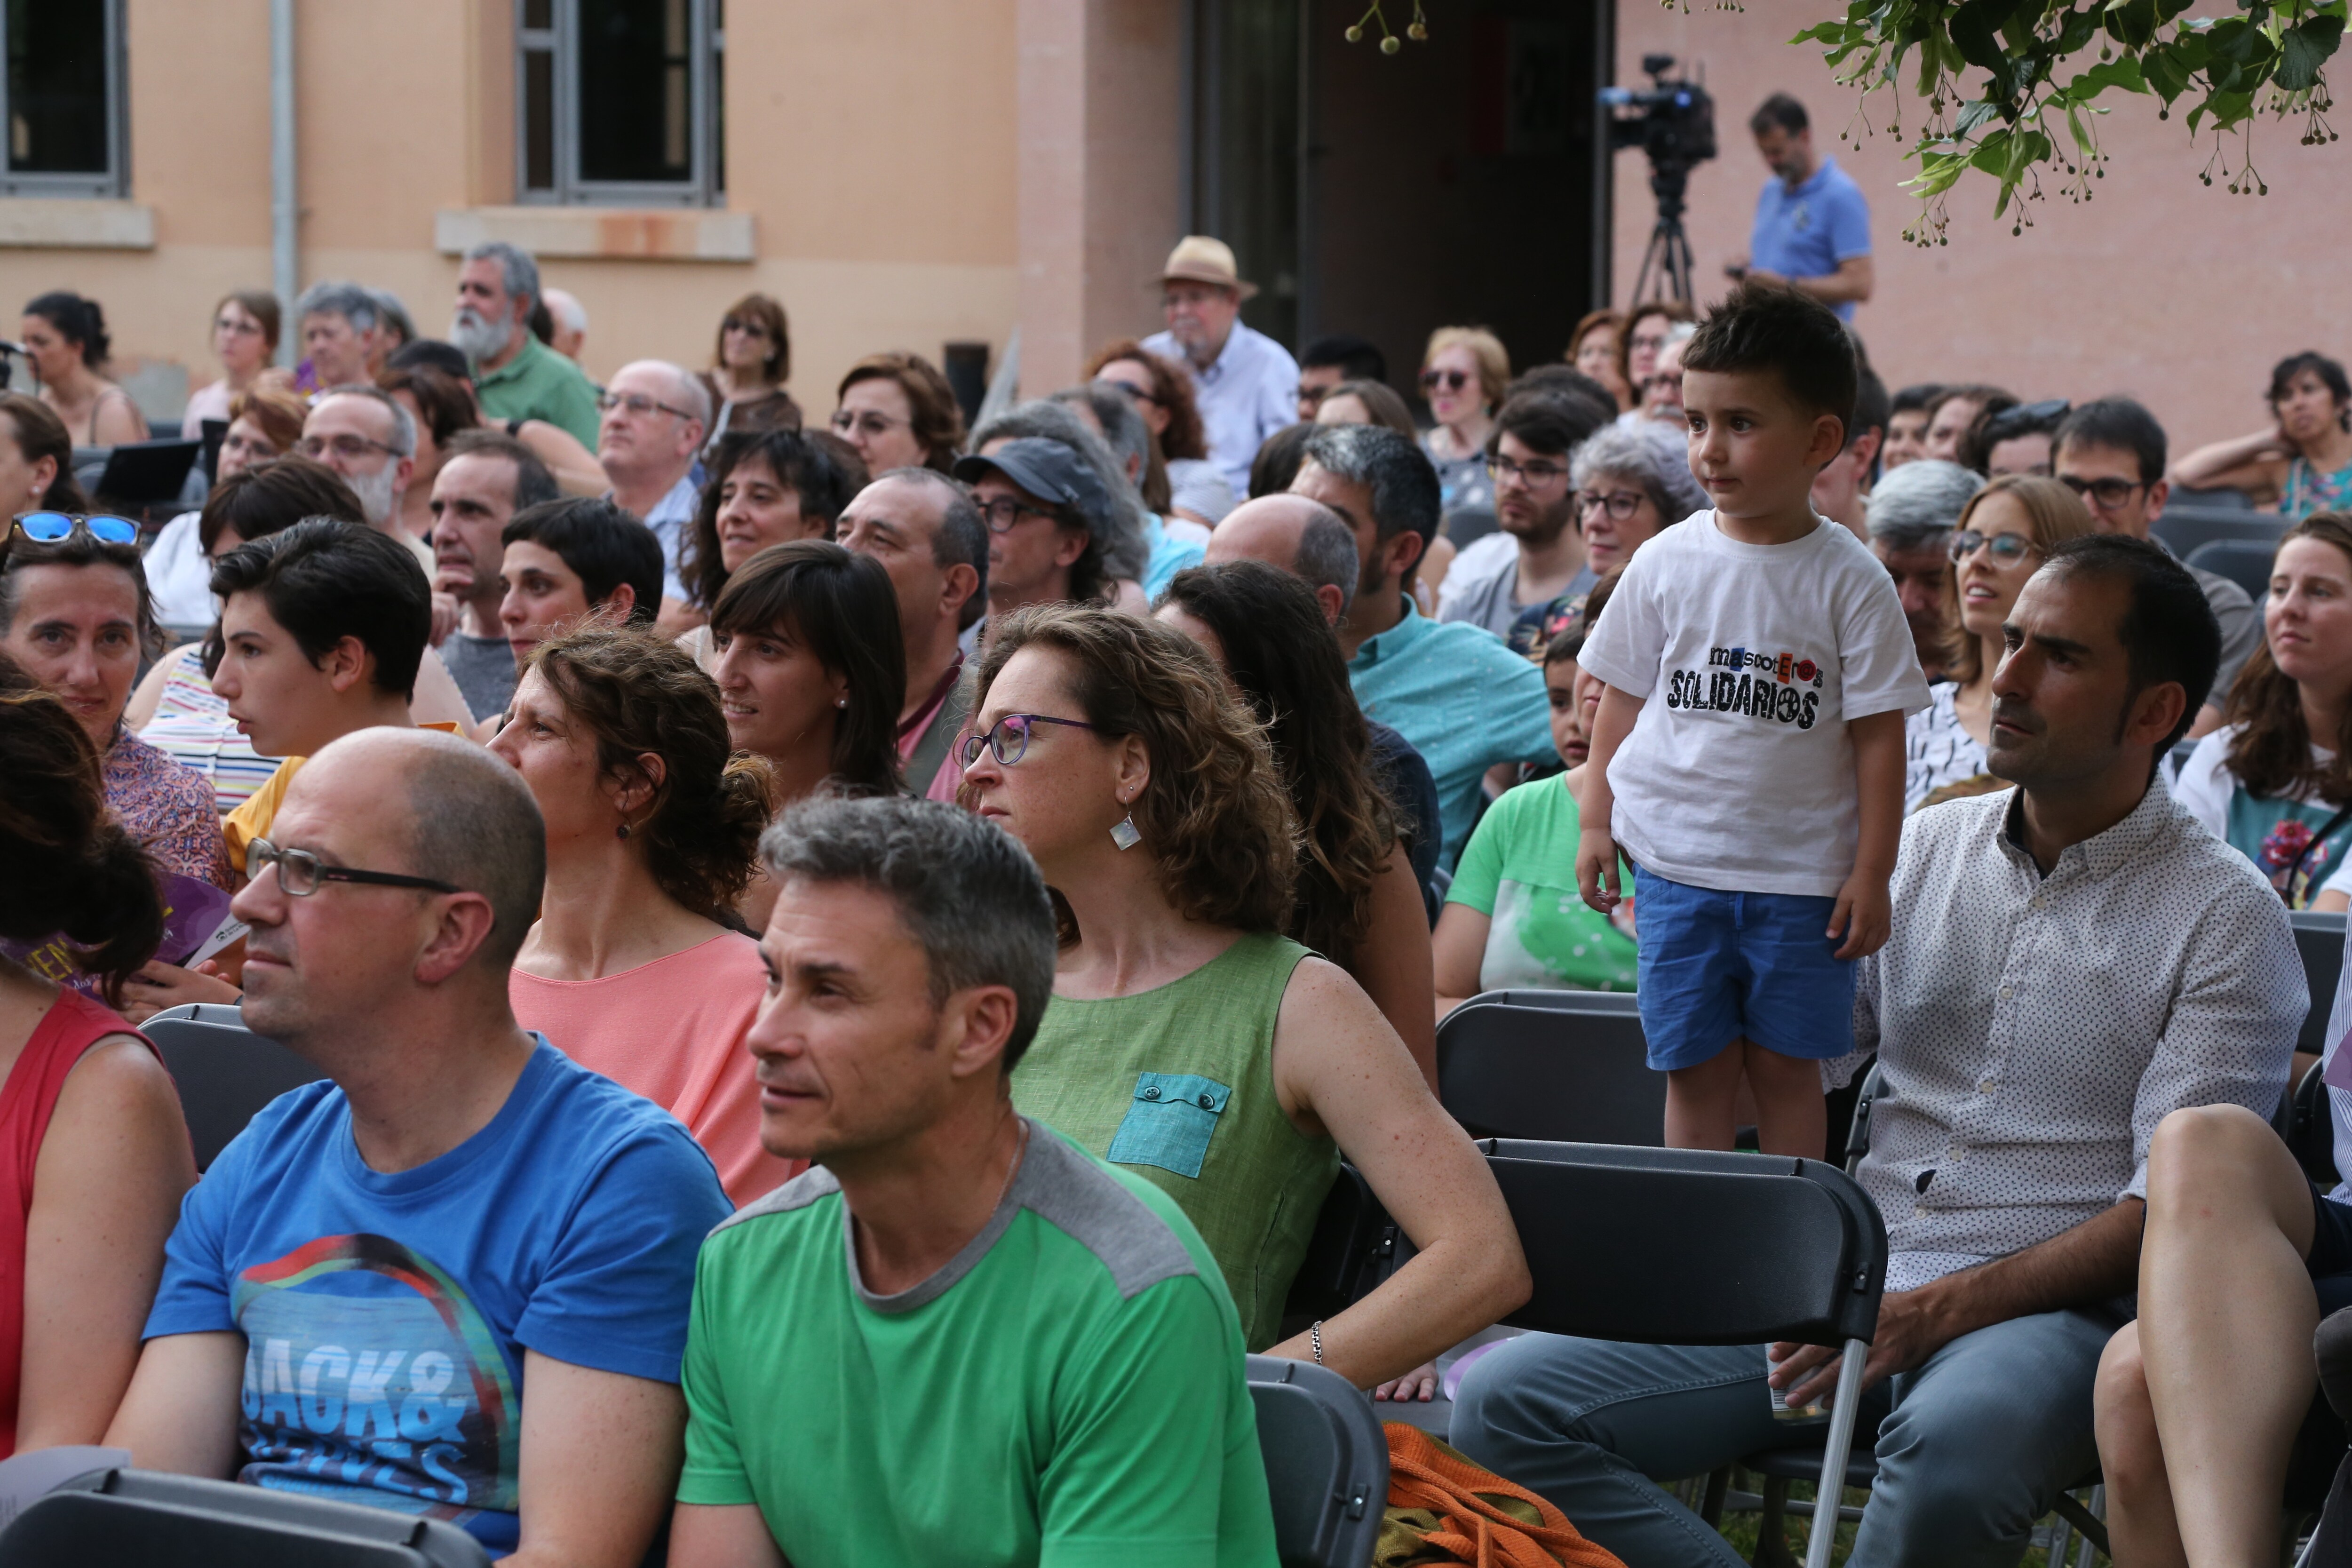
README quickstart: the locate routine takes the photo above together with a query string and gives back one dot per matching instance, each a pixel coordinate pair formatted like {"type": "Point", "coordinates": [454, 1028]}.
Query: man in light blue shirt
{"type": "Point", "coordinates": [1245, 383]}
{"type": "Point", "coordinates": [1463, 699]}
{"type": "Point", "coordinates": [1812, 223]}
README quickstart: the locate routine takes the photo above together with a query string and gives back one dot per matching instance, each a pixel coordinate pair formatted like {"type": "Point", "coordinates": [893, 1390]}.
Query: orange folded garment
{"type": "Point", "coordinates": [1444, 1509]}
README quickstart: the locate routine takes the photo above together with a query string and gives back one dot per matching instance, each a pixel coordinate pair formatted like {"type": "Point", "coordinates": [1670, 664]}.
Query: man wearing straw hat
{"type": "Point", "coordinates": [1247, 383]}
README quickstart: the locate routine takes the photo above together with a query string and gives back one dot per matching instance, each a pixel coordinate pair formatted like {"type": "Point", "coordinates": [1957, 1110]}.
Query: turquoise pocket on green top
{"type": "Point", "coordinates": [1169, 1122]}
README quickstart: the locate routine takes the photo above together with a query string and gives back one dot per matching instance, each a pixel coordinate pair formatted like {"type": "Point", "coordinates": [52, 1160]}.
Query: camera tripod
{"type": "Point", "coordinates": [1669, 252]}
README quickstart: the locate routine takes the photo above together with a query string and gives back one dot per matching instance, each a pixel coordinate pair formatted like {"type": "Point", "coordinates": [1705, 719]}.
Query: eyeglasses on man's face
{"type": "Point", "coordinates": [1008, 738]}
{"type": "Point", "coordinates": [1535, 476]}
{"type": "Point", "coordinates": [1003, 513]}
{"type": "Point", "coordinates": [347, 447]}
{"type": "Point", "coordinates": [2106, 493]}
{"type": "Point", "coordinates": [638, 403]}
{"type": "Point", "coordinates": [299, 872]}
{"type": "Point", "coordinates": [2008, 549]}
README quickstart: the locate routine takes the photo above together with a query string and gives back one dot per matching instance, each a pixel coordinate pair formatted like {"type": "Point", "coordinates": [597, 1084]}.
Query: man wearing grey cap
{"type": "Point", "coordinates": [1044, 511]}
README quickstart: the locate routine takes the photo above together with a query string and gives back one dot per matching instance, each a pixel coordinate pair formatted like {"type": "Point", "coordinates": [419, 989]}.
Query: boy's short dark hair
{"type": "Point", "coordinates": [603, 545]}
{"type": "Point", "coordinates": [1358, 359]}
{"type": "Point", "coordinates": [1870, 406]}
{"type": "Point", "coordinates": [1769, 326]}
{"type": "Point", "coordinates": [2117, 422]}
{"type": "Point", "coordinates": [325, 580]}
{"type": "Point", "coordinates": [2168, 631]}
{"type": "Point", "coordinates": [1552, 427]}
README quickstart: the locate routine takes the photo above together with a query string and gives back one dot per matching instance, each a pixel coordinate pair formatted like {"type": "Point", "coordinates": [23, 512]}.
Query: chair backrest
{"type": "Point", "coordinates": [1558, 1066]}
{"type": "Point", "coordinates": [1857, 1133]}
{"type": "Point", "coordinates": [1352, 1249]}
{"type": "Point", "coordinates": [1327, 1463]}
{"type": "Point", "coordinates": [2210, 501]}
{"type": "Point", "coordinates": [2245, 561]}
{"type": "Point", "coordinates": [2310, 1131]}
{"type": "Point", "coordinates": [2184, 528]}
{"type": "Point", "coordinates": [2319, 937]}
{"type": "Point", "coordinates": [225, 1072]}
{"type": "Point", "coordinates": [137, 1517]}
{"type": "Point", "coordinates": [1691, 1246]}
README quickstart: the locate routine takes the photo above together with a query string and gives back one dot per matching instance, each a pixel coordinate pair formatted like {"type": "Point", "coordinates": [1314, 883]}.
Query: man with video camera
{"type": "Point", "coordinates": [1812, 224]}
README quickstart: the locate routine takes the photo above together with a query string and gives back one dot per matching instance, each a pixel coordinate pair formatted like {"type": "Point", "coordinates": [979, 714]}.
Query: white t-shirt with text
{"type": "Point", "coordinates": [1750, 660]}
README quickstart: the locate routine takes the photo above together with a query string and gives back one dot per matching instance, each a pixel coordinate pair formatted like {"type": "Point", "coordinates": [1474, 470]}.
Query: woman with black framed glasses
{"type": "Point", "coordinates": [2003, 535]}
{"type": "Point", "coordinates": [1189, 1041]}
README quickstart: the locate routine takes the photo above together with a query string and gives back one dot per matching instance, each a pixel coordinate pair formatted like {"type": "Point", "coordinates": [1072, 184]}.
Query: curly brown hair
{"type": "Point", "coordinates": [71, 866]}
{"type": "Point", "coordinates": [1214, 814]}
{"type": "Point", "coordinates": [1171, 388]}
{"type": "Point", "coordinates": [642, 695]}
{"type": "Point", "coordinates": [2270, 753]}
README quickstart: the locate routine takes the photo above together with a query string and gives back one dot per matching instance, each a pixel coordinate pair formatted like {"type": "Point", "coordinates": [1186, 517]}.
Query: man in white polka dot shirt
{"type": "Point", "coordinates": [2072, 961]}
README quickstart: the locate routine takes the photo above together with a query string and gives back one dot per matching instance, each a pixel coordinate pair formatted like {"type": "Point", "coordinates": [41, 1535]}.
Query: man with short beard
{"type": "Point", "coordinates": [1537, 554]}
{"type": "Point", "coordinates": [516, 376]}
{"type": "Point", "coordinates": [367, 438]}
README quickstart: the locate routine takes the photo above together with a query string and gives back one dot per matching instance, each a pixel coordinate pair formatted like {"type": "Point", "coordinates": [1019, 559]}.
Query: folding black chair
{"type": "Point", "coordinates": [1566, 1067]}
{"type": "Point", "coordinates": [138, 1518]}
{"type": "Point", "coordinates": [225, 1072]}
{"type": "Point", "coordinates": [1327, 1463]}
{"type": "Point", "coordinates": [2319, 937]}
{"type": "Point", "coordinates": [2245, 561]}
{"type": "Point", "coordinates": [2184, 528]}
{"type": "Point", "coordinates": [1682, 1247]}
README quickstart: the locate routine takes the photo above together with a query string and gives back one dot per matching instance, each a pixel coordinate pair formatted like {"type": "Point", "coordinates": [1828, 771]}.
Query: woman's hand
{"type": "Point", "coordinates": [158, 986]}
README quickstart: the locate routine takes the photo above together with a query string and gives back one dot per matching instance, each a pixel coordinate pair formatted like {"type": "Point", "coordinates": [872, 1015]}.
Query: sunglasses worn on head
{"type": "Point", "coordinates": [49, 527]}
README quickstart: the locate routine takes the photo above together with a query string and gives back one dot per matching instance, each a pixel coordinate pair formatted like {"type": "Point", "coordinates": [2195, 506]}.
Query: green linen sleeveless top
{"type": "Point", "coordinates": [1177, 1085]}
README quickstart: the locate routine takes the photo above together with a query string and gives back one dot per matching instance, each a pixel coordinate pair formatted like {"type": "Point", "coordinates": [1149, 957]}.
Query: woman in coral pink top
{"type": "Point", "coordinates": [93, 1155]}
{"type": "Point", "coordinates": [651, 829]}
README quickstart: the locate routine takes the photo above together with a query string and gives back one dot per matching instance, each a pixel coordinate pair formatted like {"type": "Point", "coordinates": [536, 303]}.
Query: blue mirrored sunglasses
{"type": "Point", "coordinates": [49, 527]}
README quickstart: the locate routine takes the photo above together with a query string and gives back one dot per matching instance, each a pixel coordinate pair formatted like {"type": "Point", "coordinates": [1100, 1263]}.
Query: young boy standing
{"type": "Point", "coordinates": [1747, 753]}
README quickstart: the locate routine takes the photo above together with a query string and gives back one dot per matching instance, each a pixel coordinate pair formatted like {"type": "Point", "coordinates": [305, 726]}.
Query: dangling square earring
{"type": "Point", "coordinates": [1125, 834]}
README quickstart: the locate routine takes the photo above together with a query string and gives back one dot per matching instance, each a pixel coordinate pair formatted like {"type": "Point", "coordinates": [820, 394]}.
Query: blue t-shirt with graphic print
{"type": "Point", "coordinates": [385, 1317]}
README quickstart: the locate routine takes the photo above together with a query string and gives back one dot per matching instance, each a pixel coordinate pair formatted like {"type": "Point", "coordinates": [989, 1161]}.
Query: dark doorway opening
{"type": "Point", "coordinates": [1462, 181]}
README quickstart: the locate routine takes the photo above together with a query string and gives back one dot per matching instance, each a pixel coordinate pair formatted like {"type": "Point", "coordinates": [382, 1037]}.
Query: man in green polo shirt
{"type": "Point", "coordinates": [961, 1339]}
{"type": "Point", "coordinates": [516, 376]}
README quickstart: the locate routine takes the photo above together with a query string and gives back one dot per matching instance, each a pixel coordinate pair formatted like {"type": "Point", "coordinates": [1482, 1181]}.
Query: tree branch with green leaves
{"type": "Point", "coordinates": [1991, 71]}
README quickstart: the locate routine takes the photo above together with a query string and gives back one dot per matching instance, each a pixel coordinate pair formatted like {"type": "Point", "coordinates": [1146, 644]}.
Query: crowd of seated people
{"type": "Point", "coordinates": [1011, 871]}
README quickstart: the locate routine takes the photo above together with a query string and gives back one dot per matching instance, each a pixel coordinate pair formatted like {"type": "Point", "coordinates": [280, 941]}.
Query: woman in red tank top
{"type": "Point", "coordinates": [94, 1156]}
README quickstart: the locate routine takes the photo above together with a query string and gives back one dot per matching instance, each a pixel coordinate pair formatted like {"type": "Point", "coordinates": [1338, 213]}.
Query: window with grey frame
{"type": "Point", "coordinates": [61, 99]}
{"type": "Point", "coordinates": [619, 101]}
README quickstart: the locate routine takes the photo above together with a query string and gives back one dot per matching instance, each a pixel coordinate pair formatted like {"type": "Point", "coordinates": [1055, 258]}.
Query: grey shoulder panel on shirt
{"type": "Point", "coordinates": [1087, 1204]}
{"type": "Point", "coordinates": [802, 1190]}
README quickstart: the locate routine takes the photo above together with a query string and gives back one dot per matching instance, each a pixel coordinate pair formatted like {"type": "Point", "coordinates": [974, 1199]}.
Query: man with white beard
{"type": "Point", "coordinates": [516, 376]}
{"type": "Point", "coordinates": [359, 431]}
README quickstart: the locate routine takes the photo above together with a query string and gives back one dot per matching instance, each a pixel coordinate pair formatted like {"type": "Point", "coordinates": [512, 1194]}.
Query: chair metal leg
{"type": "Point", "coordinates": [2091, 1549]}
{"type": "Point", "coordinates": [1834, 1455]}
{"type": "Point", "coordinates": [2094, 1530]}
{"type": "Point", "coordinates": [1710, 1508]}
{"type": "Point", "coordinates": [1771, 1528]}
{"type": "Point", "coordinates": [2061, 1536]}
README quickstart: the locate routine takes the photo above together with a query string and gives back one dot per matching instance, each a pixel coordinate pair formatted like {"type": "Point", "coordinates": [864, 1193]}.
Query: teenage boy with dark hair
{"type": "Point", "coordinates": [1536, 554]}
{"type": "Point", "coordinates": [1841, 489]}
{"type": "Point", "coordinates": [2111, 453]}
{"type": "Point", "coordinates": [566, 560]}
{"type": "Point", "coordinates": [1748, 753]}
{"type": "Point", "coordinates": [1327, 361]}
{"type": "Point", "coordinates": [322, 627]}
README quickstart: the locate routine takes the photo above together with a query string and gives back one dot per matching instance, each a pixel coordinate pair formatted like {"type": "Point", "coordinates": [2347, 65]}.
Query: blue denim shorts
{"type": "Point", "coordinates": [1715, 967]}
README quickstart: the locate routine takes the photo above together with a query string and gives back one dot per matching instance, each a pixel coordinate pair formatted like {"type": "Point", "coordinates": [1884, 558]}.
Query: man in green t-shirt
{"type": "Point", "coordinates": [516, 376]}
{"type": "Point", "coordinates": [962, 1338]}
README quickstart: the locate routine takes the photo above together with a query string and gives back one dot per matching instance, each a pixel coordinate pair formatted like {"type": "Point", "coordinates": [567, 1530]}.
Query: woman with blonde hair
{"type": "Point", "coordinates": [1189, 1041]}
{"type": "Point", "coordinates": [750, 363]}
{"type": "Point", "coordinates": [2004, 534]}
{"type": "Point", "coordinates": [2275, 780]}
{"type": "Point", "coordinates": [1465, 375]}
{"type": "Point", "coordinates": [634, 969]}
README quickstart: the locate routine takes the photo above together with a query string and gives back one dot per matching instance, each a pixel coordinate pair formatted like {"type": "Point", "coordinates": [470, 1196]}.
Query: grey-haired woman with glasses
{"type": "Point", "coordinates": [2002, 536]}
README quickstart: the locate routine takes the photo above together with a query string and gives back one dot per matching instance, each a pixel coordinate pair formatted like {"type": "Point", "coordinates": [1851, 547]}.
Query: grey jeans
{"type": "Point", "coordinates": [1972, 1447]}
